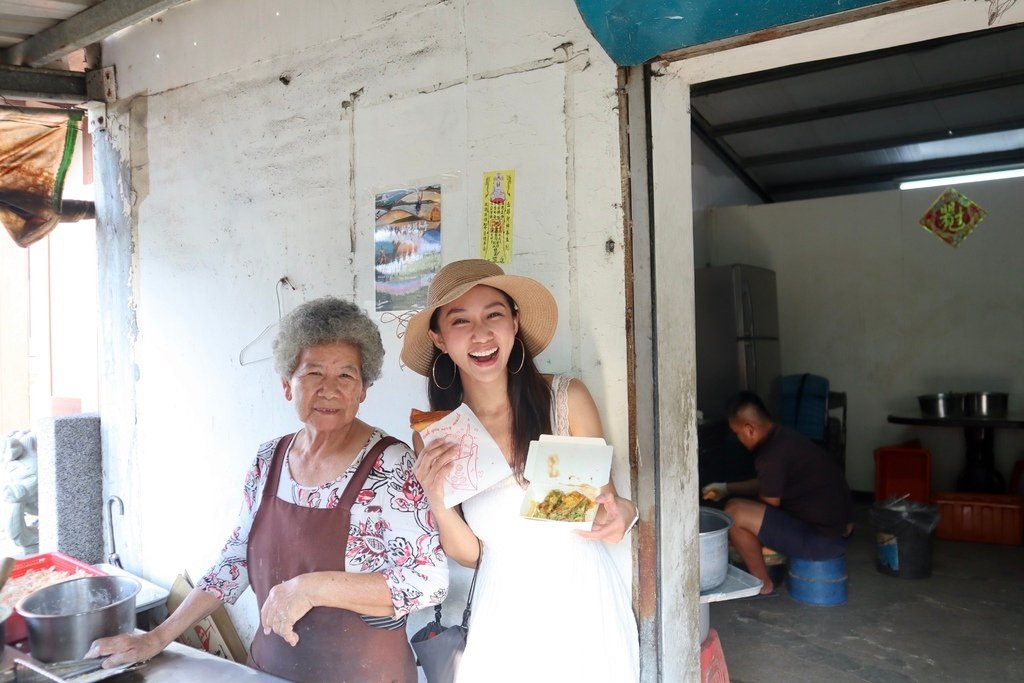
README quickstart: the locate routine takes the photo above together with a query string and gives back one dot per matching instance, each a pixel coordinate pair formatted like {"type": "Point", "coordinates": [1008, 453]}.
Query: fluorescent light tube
{"type": "Point", "coordinates": [961, 179]}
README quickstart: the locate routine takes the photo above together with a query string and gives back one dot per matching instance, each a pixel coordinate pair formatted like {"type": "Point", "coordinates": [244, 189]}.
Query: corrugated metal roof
{"type": "Point", "coordinates": [866, 122]}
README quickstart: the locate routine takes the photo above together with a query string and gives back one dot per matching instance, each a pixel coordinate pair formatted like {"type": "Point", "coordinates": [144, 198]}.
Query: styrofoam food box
{"type": "Point", "coordinates": [570, 463]}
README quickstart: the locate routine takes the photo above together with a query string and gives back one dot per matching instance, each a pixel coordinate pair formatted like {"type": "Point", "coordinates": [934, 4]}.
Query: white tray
{"type": "Point", "coordinates": [737, 584]}
{"type": "Point", "coordinates": [150, 595]}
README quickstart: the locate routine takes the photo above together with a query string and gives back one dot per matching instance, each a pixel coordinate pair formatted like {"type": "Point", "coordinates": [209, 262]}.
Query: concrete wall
{"type": "Point", "coordinates": [254, 135]}
{"type": "Point", "coordinates": [888, 311]}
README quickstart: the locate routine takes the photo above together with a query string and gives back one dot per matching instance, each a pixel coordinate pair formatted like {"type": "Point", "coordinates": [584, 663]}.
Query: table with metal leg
{"type": "Point", "coordinates": [979, 473]}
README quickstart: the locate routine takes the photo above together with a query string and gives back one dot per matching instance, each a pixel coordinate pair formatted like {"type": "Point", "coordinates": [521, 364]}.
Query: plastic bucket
{"type": "Point", "coordinates": [903, 541]}
{"type": "Point", "coordinates": [818, 582]}
{"type": "Point", "coordinates": [906, 554]}
{"type": "Point", "coordinates": [714, 547]}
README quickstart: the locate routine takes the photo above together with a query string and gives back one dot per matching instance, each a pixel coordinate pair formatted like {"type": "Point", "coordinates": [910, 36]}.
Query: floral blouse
{"type": "Point", "coordinates": [391, 529]}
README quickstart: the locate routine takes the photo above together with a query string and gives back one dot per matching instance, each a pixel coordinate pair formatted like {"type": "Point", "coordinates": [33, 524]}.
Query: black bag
{"type": "Point", "coordinates": [439, 648]}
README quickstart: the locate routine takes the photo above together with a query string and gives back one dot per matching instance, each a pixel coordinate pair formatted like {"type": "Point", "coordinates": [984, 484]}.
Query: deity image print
{"type": "Point", "coordinates": [498, 193]}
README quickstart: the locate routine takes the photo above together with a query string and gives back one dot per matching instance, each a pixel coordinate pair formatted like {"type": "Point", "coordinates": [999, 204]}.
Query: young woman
{"type": "Point", "coordinates": [550, 603]}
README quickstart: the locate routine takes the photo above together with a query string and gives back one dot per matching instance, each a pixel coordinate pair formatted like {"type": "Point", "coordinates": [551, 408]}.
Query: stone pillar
{"type": "Point", "coordinates": [71, 486]}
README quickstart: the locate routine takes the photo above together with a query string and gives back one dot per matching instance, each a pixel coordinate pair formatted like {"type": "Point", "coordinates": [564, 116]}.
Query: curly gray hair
{"type": "Point", "coordinates": [328, 320]}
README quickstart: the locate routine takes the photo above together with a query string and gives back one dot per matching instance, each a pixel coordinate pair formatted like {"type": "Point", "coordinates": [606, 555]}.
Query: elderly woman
{"type": "Point", "coordinates": [333, 536]}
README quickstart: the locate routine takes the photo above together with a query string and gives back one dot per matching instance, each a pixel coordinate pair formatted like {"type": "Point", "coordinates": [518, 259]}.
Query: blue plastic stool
{"type": "Point", "coordinates": [818, 582]}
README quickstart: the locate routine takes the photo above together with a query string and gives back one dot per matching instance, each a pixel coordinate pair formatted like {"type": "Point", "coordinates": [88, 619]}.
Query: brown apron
{"type": "Point", "coordinates": [335, 645]}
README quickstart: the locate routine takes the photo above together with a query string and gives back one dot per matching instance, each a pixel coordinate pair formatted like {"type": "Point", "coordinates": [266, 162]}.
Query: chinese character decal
{"type": "Point", "coordinates": [952, 217]}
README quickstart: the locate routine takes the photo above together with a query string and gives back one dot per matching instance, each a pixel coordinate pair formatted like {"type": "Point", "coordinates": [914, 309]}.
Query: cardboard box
{"type": "Point", "coordinates": [214, 634]}
{"type": "Point", "coordinates": [568, 464]}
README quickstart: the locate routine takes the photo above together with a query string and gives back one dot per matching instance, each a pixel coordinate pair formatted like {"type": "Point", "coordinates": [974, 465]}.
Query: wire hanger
{"type": "Point", "coordinates": [258, 349]}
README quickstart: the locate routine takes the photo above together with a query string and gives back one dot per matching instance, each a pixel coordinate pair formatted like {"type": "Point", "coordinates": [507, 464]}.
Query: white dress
{"type": "Point", "coordinates": [549, 605]}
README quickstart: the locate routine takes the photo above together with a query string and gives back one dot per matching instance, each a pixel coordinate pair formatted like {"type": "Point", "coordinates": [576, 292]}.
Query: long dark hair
{"type": "Point", "coordinates": [529, 395]}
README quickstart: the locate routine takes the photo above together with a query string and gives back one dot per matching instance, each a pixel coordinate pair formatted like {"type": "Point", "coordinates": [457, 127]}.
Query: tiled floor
{"type": "Point", "coordinates": [965, 623]}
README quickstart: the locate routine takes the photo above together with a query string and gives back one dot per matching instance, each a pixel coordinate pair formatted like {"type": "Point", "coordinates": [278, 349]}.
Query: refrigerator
{"type": "Point", "coordinates": [737, 330]}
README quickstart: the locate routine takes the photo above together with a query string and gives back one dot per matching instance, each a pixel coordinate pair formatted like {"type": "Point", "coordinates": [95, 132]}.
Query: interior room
{"type": "Point", "coordinates": [797, 171]}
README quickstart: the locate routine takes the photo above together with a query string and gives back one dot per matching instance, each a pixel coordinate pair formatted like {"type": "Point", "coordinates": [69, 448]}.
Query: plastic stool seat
{"type": "Point", "coordinates": [818, 582]}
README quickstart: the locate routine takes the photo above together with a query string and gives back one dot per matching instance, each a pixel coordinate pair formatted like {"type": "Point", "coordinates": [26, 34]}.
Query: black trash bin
{"type": "Point", "coordinates": [904, 537]}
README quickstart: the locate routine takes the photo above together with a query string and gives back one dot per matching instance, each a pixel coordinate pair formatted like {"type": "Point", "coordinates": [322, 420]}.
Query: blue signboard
{"type": "Point", "coordinates": [634, 31]}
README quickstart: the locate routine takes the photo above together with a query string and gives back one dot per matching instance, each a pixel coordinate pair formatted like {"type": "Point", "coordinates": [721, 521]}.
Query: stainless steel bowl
{"type": "Point", "coordinates": [941, 405]}
{"type": "Point", "coordinates": [64, 619]}
{"type": "Point", "coordinates": [986, 404]}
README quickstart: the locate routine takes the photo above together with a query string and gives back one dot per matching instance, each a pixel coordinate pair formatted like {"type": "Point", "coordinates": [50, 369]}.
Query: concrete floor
{"type": "Point", "coordinates": [965, 623]}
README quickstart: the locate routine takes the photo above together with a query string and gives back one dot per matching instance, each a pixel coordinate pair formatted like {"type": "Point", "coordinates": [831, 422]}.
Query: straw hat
{"type": "Point", "coordinates": [538, 313]}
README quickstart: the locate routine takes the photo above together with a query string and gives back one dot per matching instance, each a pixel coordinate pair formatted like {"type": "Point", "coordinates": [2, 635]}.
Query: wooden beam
{"type": "Point", "coordinates": [85, 28]}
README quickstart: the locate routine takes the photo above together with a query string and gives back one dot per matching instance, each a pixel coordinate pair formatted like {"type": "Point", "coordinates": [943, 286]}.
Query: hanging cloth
{"type": "Point", "coordinates": [35, 151]}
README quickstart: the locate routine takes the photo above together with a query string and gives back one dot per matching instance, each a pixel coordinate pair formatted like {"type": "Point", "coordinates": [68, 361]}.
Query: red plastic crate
{"type": "Point", "coordinates": [903, 470]}
{"type": "Point", "coordinates": [980, 517]}
{"type": "Point", "coordinates": [14, 628]}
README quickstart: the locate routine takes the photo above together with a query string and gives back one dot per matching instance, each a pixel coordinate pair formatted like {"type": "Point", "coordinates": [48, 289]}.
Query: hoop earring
{"type": "Point", "coordinates": [433, 372]}
{"type": "Point", "coordinates": [522, 357]}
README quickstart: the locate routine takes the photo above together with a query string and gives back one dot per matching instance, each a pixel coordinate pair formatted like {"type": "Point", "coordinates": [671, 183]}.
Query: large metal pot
{"type": "Point", "coordinates": [64, 619]}
{"type": "Point", "coordinates": [986, 404]}
{"type": "Point", "coordinates": [941, 405]}
{"type": "Point", "coordinates": [714, 547]}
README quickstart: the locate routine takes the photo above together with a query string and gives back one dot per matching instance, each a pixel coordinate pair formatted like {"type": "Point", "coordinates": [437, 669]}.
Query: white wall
{"type": "Point", "coordinates": [888, 311]}
{"type": "Point", "coordinates": [239, 179]}
{"type": "Point", "coordinates": [714, 184]}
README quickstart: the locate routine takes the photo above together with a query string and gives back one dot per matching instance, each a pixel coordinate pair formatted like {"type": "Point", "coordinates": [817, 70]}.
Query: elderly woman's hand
{"type": "Point", "coordinates": [613, 518]}
{"type": "Point", "coordinates": [127, 648]}
{"type": "Point", "coordinates": [285, 604]}
{"type": "Point", "coordinates": [432, 466]}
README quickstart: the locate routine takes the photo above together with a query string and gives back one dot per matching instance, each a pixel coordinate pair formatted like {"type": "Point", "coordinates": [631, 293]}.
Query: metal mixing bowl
{"type": "Point", "coordinates": [64, 619]}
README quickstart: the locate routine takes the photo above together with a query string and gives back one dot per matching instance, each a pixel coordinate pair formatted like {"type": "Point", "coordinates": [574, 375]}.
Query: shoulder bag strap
{"type": "Point", "coordinates": [472, 586]}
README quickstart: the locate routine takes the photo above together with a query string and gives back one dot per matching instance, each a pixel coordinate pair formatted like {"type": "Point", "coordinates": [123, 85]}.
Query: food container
{"type": "Point", "coordinates": [714, 547]}
{"type": "Point", "coordinates": [15, 628]}
{"type": "Point", "coordinates": [986, 404]}
{"type": "Point", "coordinates": [64, 619]}
{"type": "Point", "coordinates": [941, 405]}
{"type": "Point", "coordinates": [569, 464]}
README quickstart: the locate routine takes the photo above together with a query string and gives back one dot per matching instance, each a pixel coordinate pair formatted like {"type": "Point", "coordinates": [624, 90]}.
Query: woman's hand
{"type": "Point", "coordinates": [433, 463]}
{"type": "Point", "coordinates": [285, 604]}
{"type": "Point", "coordinates": [126, 649]}
{"type": "Point", "coordinates": [612, 520]}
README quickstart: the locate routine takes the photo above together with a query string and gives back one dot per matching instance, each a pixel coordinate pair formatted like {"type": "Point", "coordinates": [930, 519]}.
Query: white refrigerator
{"type": "Point", "coordinates": [737, 328]}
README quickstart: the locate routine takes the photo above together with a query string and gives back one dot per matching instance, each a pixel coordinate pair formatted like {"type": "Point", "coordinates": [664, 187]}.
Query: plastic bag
{"type": "Point", "coordinates": [892, 514]}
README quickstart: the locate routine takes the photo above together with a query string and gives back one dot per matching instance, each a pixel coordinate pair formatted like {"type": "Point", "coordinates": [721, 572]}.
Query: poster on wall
{"type": "Point", "coordinates": [496, 227]}
{"type": "Point", "coordinates": [952, 217]}
{"type": "Point", "coordinates": [406, 246]}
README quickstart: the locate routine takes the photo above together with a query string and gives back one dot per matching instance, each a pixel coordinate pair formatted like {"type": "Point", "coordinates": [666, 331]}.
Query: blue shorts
{"type": "Point", "coordinates": [786, 534]}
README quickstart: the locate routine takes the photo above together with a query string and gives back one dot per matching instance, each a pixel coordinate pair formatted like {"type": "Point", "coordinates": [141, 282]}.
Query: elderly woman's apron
{"type": "Point", "coordinates": [335, 645]}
